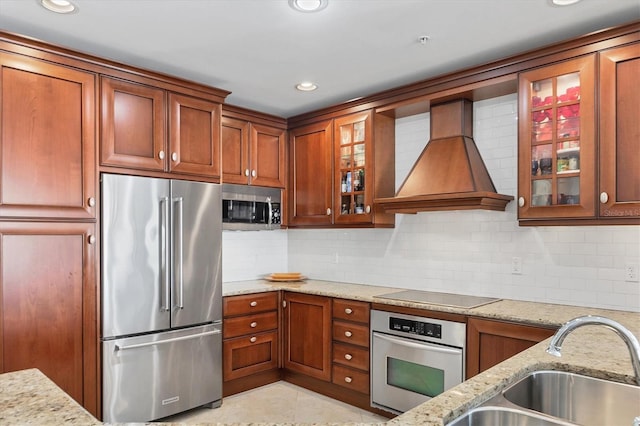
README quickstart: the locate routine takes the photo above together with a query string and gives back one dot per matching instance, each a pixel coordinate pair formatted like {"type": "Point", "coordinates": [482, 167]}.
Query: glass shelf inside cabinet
{"type": "Point", "coordinates": [352, 168]}
{"type": "Point", "coordinates": [555, 140]}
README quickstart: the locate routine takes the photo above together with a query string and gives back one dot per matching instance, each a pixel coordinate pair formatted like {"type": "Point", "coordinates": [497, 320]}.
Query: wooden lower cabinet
{"type": "Point", "coordinates": [491, 342]}
{"type": "Point", "coordinates": [351, 345]}
{"type": "Point", "coordinates": [307, 329]}
{"type": "Point", "coordinates": [48, 304]}
{"type": "Point", "coordinates": [251, 344]}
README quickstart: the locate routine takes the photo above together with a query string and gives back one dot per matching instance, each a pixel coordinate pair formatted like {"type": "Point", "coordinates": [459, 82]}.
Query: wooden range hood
{"type": "Point", "coordinates": [450, 174]}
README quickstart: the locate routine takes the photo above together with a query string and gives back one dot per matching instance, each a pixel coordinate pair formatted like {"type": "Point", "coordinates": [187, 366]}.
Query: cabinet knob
{"type": "Point", "coordinates": [92, 201]}
{"type": "Point", "coordinates": [92, 239]}
{"type": "Point", "coordinates": [604, 197]}
{"type": "Point", "coordinates": [521, 201]}
{"type": "Point", "coordinates": [348, 311]}
{"type": "Point", "coordinates": [253, 304]}
{"type": "Point", "coordinates": [348, 333]}
{"type": "Point", "coordinates": [254, 173]}
{"type": "Point", "coordinates": [161, 155]}
{"type": "Point", "coordinates": [348, 357]}
{"type": "Point", "coordinates": [348, 379]}
{"type": "Point", "coordinates": [253, 324]}
{"type": "Point", "coordinates": [246, 172]}
{"type": "Point", "coordinates": [328, 212]}
{"type": "Point", "coordinates": [253, 339]}
{"type": "Point", "coordinates": [174, 156]}
{"type": "Point", "coordinates": [367, 209]}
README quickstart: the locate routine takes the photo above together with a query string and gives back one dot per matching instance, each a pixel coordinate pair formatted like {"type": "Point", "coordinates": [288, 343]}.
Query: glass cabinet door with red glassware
{"type": "Point", "coordinates": [353, 156]}
{"type": "Point", "coordinates": [556, 139]}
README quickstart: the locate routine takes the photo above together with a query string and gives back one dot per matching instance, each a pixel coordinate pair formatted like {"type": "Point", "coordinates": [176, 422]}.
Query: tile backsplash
{"type": "Point", "coordinates": [457, 251]}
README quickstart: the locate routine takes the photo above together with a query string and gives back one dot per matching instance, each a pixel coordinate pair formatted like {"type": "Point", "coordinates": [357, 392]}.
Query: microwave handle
{"type": "Point", "coordinates": [270, 211]}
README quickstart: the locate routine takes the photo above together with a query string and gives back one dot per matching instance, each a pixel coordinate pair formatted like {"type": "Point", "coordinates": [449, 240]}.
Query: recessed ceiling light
{"type": "Point", "coordinates": [308, 5]}
{"type": "Point", "coordinates": [306, 86]}
{"type": "Point", "coordinates": [59, 6]}
{"type": "Point", "coordinates": [563, 2]}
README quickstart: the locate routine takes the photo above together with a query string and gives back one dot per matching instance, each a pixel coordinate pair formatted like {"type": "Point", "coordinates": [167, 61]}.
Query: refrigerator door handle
{"type": "Point", "coordinates": [180, 246]}
{"type": "Point", "coordinates": [164, 253]}
{"type": "Point", "coordinates": [161, 342]}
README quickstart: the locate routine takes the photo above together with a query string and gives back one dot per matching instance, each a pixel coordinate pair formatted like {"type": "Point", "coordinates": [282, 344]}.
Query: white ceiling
{"type": "Point", "coordinates": [259, 49]}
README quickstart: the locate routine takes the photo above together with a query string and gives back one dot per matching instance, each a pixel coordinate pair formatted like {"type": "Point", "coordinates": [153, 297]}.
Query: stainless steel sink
{"type": "Point", "coordinates": [576, 398]}
{"type": "Point", "coordinates": [501, 416]}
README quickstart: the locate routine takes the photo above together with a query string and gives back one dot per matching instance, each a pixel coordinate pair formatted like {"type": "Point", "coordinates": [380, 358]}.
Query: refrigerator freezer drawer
{"type": "Point", "coordinates": [153, 376]}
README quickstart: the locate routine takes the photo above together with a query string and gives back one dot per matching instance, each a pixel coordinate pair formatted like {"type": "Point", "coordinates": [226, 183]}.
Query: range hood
{"type": "Point", "coordinates": [449, 174]}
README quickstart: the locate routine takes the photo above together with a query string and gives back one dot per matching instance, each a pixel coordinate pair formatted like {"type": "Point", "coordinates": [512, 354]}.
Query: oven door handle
{"type": "Point", "coordinates": [416, 345]}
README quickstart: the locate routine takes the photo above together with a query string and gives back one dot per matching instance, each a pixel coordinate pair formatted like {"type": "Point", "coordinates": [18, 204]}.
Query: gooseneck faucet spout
{"type": "Point", "coordinates": [555, 346]}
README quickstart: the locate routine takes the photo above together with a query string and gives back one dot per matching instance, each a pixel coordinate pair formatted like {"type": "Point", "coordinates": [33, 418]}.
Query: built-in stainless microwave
{"type": "Point", "coordinates": [250, 208]}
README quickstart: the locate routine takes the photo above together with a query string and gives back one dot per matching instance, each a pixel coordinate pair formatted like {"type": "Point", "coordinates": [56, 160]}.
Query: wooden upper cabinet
{"type": "Point", "coordinates": [267, 154]}
{"type": "Point", "coordinates": [194, 141]}
{"type": "Point", "coordinates": [49, 308]}
{"type": "Point", "coordinates": [144, 127]}
{"type": "Point", "coordinates": [619, 190]}
{"type": "Point", "coordinates": [47, 140]}
{"type": "Point", "coordinates": [310, 175]}
{"type": "Point", "coordinates": [557, 141]}
{"type": "Point", "coordinates": [133, 125]}
{"type": "Point", "coordinates": [235, 150]}
{"type": "Point", "coordinates": [253, 153]}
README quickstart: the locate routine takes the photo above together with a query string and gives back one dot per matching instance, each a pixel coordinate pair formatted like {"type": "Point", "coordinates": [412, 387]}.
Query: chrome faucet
{"type": "Point", "coordinates": [555, 346]}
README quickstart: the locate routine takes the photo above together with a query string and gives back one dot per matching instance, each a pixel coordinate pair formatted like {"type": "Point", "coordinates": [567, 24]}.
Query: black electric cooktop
{"type": "Point", "coordinates": [437, 298]}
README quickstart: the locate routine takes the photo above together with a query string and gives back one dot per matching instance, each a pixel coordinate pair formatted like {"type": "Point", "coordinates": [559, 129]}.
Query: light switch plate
{"type": "Point", "coordinates": [516, 265]}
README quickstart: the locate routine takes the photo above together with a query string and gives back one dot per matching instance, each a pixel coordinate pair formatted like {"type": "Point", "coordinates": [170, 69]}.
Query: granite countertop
{"type": "Point", "coordinates": [593, 350]}
{"type": "Point", "coordinates": [28, 396]}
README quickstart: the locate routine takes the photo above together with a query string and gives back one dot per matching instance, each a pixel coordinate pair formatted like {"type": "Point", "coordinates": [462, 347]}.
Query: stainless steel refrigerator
{"type": "Point", "coordinates": [161, 297]}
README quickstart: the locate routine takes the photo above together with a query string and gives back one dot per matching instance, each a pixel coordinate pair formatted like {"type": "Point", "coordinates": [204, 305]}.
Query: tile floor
{"type": "Point", "coordinates": [278, 403]}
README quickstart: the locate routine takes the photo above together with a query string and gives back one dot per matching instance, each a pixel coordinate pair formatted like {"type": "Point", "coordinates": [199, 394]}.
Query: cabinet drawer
{"type": "Point", "coordinates": [352, 379]}
{"type": "Point", "coordinates": [246, 324]}
{"type": "Point", "coordinates": [248, 355]}
{"type": "Point", "coordinates": [351, 356]}
{"type": "Point", "coordinates": [355, 334]}
{"type": "Point", "coordinates": [351, 310]}
{"type": "Point", "coordinates": [249, 303]}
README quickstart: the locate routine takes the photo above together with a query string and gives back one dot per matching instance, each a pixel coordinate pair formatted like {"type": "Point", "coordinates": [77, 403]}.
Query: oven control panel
{"type": "Point", "coordinates": [416, 327]}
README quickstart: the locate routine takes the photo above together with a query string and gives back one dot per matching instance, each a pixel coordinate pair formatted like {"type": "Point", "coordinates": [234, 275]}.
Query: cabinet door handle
{"type": "Point", "coordinates": [348, 311]}
{"type": "Point", "coordinates": [253, 324]}
{"type": "Point", "coordinates": [348, 357]}
{"type": "Point", "coordinates": [348, 379]}
{"type": "Point", "coordinates": [368, 209]}
{"type": "Point", "coordinates": [174, 156]}
{"type": "Point", "coordinates": [604, 197]}
{"type": "Point", "coordinates": [253, 304]}
{"type": "Point", "coordinates": [161, 155]}
{"type": "Point", "coordinates": [92, 201]}
{"type": "Point", "coordinates": [92, 239]}
{"type": "Point", "coordinates": [521, 201]}
{"type": "Point", "coordinates": [254, 173]}
{"type": "Point", "coordinates": [348, 333]}
{"type": "Point", "coordinates": [246, 172]}
{"type": "Point", "coordinates": [328, 212]}
{"type": "Point", "coordinates": [253, 339]}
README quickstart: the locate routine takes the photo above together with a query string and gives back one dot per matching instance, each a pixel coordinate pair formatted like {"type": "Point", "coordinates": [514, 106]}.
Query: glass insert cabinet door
{"type": "Point", "coordinates": [353, 142]}
{"type": "Point", "coordinates": [556, 140]}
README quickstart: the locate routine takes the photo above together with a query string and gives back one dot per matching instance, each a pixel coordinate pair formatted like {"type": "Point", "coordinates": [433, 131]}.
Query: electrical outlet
{"type": "Point", "coordinates": [336, 259]}
{"type": "Point", "coordinates": [516, 265]}
{"type": "Point", "coordinates": [631, 272]}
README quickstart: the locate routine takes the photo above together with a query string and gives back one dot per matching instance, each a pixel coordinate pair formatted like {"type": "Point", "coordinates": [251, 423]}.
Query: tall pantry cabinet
{"type": "Point", "coordinates": [48, 235]}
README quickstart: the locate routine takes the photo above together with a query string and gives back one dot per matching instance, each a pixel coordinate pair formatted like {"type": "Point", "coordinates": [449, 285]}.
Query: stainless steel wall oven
{"type": "Point", "coordinates": [413, 359]}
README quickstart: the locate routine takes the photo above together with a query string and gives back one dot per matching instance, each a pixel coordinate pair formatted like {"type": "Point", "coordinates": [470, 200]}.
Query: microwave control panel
{"type": "Point", "coordinates": [276, 216]}
{"type": "Point", "coordinates": [415, 327]}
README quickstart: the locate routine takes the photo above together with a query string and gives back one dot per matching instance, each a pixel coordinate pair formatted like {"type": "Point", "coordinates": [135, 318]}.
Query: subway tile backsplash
{"type": "Point", "coordinates": [457, 251]}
